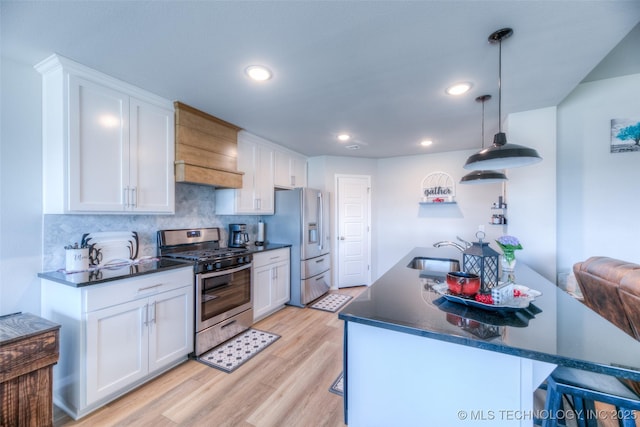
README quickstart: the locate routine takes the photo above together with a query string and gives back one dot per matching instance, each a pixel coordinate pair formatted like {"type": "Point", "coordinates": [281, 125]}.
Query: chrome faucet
{"type": "Point", "coordinates": [458, 246]}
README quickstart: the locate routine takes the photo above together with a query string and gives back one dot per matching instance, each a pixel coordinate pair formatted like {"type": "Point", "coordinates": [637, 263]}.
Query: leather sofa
{"type": "Point", "coordinates": [611, 288]}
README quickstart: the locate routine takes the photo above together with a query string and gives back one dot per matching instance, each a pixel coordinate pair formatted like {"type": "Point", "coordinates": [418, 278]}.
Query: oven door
{"type": "Point", "coordinates": [222, 294]}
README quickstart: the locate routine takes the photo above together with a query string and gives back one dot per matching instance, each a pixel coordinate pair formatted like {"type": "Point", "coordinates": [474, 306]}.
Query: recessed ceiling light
{"type": "Point", "coordinates": [459, 88]}
{"type": "Point", "coordinates": [344, 137]}
{"type": "Point", "coordinates": [353, 147]}
{"type": "Point", "coordinates": [258, 73]}
{"type": "Point", "coordinates": [426, 142]}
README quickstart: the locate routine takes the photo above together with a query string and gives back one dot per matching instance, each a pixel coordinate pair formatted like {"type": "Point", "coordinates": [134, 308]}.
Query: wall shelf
{"type": "Point", "coordinates": [438, 203]}
{"type": "Point", "coordinates": [437, 188]}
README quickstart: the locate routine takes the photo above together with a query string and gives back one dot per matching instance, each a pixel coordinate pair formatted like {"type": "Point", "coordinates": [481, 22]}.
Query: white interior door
{"type": "Point", "coordinates": [353, 195]}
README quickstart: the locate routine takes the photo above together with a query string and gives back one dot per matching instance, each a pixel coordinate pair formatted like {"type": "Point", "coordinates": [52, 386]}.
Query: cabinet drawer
{"type": "Point", "coordinates": [120, 291]}
{"type": "Point", "coordinates": [315, 266]}
{"type": "Point", "coordinates": [270, 257]}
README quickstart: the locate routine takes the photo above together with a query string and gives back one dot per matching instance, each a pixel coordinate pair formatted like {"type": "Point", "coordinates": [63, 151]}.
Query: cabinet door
{"type": "Point", "coordinates": [117, 348]}
{"type": "Point", "coordinates": [298, 171]}
{"type": "Point", "coordinates": [98, 147]}
{"type": "Point", "coordinates": [262, 292]}
{"type": "Point", "coordinates": [282, 170]}
{"type": "Point", "coordinates": [256, 195]}
{"type": "Point", "coordinates": [290, 170]}
{"type": "Point", "coordinates": [244, 197]}
{"type": "Point", "coordinates": [151, 183]}
{"type": "Point", "coordinates": [170, 327]}
{"type": "Point", "coordinates": [281, 285]}
{"type": "Point", "coordinates": [264, 203]}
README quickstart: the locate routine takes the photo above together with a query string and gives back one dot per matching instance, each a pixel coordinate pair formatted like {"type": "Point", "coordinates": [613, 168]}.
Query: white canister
{"type": "Point", "coordinates": [77, 259]}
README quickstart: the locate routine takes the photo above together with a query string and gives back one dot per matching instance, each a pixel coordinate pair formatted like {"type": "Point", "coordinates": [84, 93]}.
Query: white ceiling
{"type": "Point", "coordinates": [375, 69]}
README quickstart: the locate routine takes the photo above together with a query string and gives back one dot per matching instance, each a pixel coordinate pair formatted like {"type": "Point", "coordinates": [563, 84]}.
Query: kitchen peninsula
{"type": "Point", "coordinates": [413, 358]}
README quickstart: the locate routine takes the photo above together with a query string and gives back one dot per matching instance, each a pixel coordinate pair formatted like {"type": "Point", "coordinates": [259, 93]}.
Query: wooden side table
{"type": "Point", "coordinates": [29, 347]}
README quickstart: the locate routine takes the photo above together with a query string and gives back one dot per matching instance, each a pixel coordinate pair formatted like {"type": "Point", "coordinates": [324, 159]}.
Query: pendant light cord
{"type": "Point", "coordinates": [500, 86]}
{"type": "Point", "coordinates": [482, 124]}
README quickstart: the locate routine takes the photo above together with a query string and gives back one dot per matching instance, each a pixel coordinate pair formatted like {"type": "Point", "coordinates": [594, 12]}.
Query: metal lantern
{"type": "Point", "coordinates": [480, 259]}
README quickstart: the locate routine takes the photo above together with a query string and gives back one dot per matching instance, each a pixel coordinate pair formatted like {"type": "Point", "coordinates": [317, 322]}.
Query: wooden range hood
{"type": "Point", "coordinates": [206, 149]}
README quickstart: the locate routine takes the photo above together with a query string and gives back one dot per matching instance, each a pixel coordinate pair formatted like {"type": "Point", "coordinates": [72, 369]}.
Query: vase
{"type": "Point", "coordinates": [508, 266]}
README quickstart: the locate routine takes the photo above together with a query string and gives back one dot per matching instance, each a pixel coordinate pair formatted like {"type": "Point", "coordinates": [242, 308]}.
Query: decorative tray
{"type": "Point", "coordinates": [109, 247]}
{"type": "Point", "coordinates": [512, 303]}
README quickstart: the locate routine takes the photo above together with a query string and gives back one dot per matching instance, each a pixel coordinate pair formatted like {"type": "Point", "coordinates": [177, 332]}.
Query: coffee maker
{"type": "Point", "coordinates": [238, 236]}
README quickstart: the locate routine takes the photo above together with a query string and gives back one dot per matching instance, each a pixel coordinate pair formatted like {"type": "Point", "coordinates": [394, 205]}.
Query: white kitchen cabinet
{"type": "Point", "coordinates": [271, 282]}
{"type": "Point", "coordinates": [256, 197]}
{"type": "Point", "coordinates": [108, 147]}
{"type": "Point", "coordinates": [118, 335]}
{"type": "Point", "coordinates": [290, 169]}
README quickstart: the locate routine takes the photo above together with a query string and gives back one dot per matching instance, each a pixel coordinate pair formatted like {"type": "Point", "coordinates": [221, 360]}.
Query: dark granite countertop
{"type": "Point", "coordinates": [556, 328]}
{"type": "Point", "coordinates": [267, 247]}
{"type": "Point", "coordinates": [107, 274]}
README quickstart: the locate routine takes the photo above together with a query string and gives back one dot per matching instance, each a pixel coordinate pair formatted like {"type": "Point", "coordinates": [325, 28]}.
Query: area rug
{"type": "Point", "coordinates": [338, 385]}
{"type": "Point", "coordinates": [331, 302]}
{"type": "Point", "coordinates": [231, 354]}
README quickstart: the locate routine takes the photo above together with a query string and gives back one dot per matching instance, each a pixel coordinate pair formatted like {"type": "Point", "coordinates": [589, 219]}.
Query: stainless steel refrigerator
{"type": "Point", "coordinates": [302, 219]}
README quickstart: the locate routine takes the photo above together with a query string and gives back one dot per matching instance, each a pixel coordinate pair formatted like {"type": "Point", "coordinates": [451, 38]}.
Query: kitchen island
{"type": "Point", "coordinates": [414, 358]}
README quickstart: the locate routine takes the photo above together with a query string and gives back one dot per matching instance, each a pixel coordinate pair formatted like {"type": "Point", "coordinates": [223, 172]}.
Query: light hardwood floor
{"type": "Point", "coordinates": [287, 384]}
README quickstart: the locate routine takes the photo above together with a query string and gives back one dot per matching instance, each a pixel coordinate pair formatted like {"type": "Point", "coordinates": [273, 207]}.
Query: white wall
{"type": "Point", "coordinates": [598, 192]}
{"type": "Point", "coordinates": [402, 223]}
{"type": "Point", "coordinates": [532, 190]}
{"type": "Point", "coordinates": [20, 188]}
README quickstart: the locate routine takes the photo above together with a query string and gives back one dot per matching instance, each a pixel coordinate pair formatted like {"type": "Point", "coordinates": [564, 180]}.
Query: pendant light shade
{"type": "Point", "coordinates": [483, 176]}
{"type": "Point", "coordinates": [502, 155]}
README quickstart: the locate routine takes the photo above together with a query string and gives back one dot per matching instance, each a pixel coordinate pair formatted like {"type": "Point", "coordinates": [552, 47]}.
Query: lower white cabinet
{"type": "Point", "coordinates": [118, 334]}
{"type": "Point", "coordinates": [271, 282]}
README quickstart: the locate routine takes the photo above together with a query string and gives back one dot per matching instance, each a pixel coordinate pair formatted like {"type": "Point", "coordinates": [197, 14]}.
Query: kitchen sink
{"type": "Point", "coordinates": [435, 265]}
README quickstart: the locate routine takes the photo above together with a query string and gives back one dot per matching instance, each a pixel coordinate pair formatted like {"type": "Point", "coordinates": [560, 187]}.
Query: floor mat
{"type": "Point", "coordinates": [338, 385]}
{"type": "Point", "coordinates": [331, 302]}
{"type": "Point", "coordinates": [231, 354]}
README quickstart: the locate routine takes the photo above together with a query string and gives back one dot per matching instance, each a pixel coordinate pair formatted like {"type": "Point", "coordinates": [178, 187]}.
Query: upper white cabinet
{"type": "Point", "coordinates": [108, 146]}
{"type": "Point", "coordinates": [290, 169]}
{"type": "Point", "coordinates": [256, 197]}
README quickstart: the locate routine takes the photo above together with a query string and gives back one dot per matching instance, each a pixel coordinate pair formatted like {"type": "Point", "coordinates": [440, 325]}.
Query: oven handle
{"type": "Point", "coordinates": [223, 272]}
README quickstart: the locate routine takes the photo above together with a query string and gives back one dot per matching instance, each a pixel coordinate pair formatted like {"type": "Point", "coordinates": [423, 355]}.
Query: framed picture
{"type": "Point", "coordinates": [625, 135]}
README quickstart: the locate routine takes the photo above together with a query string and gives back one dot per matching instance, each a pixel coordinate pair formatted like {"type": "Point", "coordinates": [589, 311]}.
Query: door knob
{"type": "Point", "coordinates": [341, 237]}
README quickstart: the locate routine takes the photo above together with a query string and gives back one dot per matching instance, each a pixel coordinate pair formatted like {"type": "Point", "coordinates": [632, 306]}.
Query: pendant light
{"type": "Point", "coordinates": [502, 155]}
{"type": "Point", "coordinates": [483, 176]}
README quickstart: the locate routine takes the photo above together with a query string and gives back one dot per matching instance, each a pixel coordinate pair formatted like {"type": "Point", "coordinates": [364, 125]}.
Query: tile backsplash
{"type": "Point", "coordinates": [195, 208]}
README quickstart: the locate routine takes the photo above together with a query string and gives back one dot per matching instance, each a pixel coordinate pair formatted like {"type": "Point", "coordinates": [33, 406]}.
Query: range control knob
{"type": "Point", "coordinates": [218, 265]}
{"type": "Point", "coordinates": [209, 267]}
{"type": "Point", "coordinates": [241, 260]}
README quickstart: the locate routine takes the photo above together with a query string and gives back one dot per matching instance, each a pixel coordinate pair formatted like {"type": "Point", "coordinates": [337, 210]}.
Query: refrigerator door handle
{"type": "Point", "coordinates": [321, 221]}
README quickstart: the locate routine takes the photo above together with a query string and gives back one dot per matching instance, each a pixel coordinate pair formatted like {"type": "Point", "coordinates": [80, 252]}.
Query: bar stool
{"type": "Point", "coordinates": [585, 388]}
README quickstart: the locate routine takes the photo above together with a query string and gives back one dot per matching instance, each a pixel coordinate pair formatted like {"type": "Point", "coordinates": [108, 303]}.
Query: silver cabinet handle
{"type": "Point", "coordinates": [146, 288]}
{"type": "Point", "coordinates": [153, 310]}
{"type": "Point", "coordinates": [146, 315]}
{"type": "Point", "coordinates": [341, 237]}
{"type": "Point", "coordinates": [134, 197]}
{"type": "Point", "coordinates": [125, 197]}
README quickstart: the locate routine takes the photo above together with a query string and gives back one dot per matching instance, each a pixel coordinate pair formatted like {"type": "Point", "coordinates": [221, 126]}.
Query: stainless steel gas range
{"type": "Point", "coordinates": [222, 283]}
